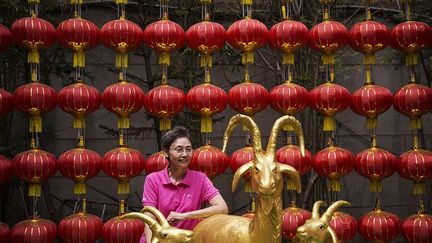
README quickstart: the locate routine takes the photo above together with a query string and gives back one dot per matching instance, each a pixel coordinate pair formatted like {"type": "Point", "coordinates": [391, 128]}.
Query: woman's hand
{"type": "Point", "coordinates": [174, 216]}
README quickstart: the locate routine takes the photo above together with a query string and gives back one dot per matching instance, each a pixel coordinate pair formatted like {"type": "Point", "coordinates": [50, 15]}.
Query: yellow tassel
{"type": "Point", "coordinates": [121, 60]}
{"type": "Point", "coordinates": [77, 1]}
{"type": "Point", "coordinates": [332, 75]}
{"type": "Point", "coordinates": [328, 59]}
{"type": "Point", "coordinates": [206, 1]}
{"type": "Point", "coordinates": [284, 14]}
{"type": "Point", "coordinates": [288, 58]}
{"type": "Point", "coordinates": [206, 124]}
{"type": "Point", "coordinates": [123, 187]}
{"type": "Point", "coordinates": [368, 77]}
{"type": "Point", "coordinates": [79, 122]}
{"type": "Point", "coordinates": [248, 57]}
{"type": "Point", "coordinates": [33, 1]}
{"type": "Point", "coordinates": [371, 122]}
{"type": "Point", "coordinates": [33, 56]}
{"type": "Point", "coordinates": [34, 190]}
{"type": "Point", "coordinates": [165, 124]}
{"type": "Point", "coordinates": [375, 186]}
{"type": "Point", "coordinates": [121, 2]}
{"type": "Point", "coordinates": [206, 60]}
{"type": "Point", "coordinates": [291, 186]}
{"type": "Point", "coordinates": [34, 75]}
{"type": "Point", "coordinates": [248, 187]}
{"type": "Point", "coordinates": [419, 187]}
{"type": "Point", "coordinates": [253, 205]}
{"type": "Point", "coordinates": [79, 59]}
{"type": "Point", "coordinates": [411, 59]}
{"type": "Point", "coordinates": [123, 122]}
{"type": "Point", "coordinates": [164, 58]}
{"type": "Point", "coordinates": [369, 59]}
{"type": "Point", "coordinates": [35, 124]}
{"type": "Point", "coordinates": [80, 188]}
{"type": "Point", "coordinates": [334, 185]}
{"type": "Point", "coordinates": [415, 123]}
{"type": "Point", "coordinates": [288, 128]}
{"type": "Point", "coordinates": [246, 2]}
{"type": "Point", "coordinates": [329, 123]}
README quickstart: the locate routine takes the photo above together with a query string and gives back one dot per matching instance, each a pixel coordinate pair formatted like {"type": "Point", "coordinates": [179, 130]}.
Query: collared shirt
{"type": "Point", "coordinates": [188, 195]}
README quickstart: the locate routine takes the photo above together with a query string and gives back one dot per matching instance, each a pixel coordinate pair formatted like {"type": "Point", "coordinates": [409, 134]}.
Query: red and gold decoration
{"type": "Point", "coordinates": [417, 228]}
{"type": "Point", "coordinates": [239, 158]}
{"type": "Point", "coordinates": [288, 98]}
{"type": "Point", "coordinates": [293, 217]}
{"type": "Point", "coordinates": [6, 169]}
{"type": "Point", "coordinates": [123, 163]}
{"type": "Point", "coordinates": [410, 37]}
{"type": "Point", "coordinates": [156, 162]}
{"type": "Point", "coordinates": [34, 230]}
{"type": "Point", "coordinates": [34, 166]}
{"type": "Point", "coordinates": [6, 102]}
{"type": "Point", "coordinates": [344, 225]}
{"type": "Point", "coordinates": [333, 162]}
{"type": "Point", "coordinates": [79, 100]}
{"type": "Point", "coordinates": [4, 233]}
{"type": "Point", "coordinates": [209, 160]}
{"type": "Point", "coordinates": [5, 37]}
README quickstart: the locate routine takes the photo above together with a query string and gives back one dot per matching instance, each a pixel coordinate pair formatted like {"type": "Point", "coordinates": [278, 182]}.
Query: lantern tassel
{"type": "Point", "coordinates": [121, 60]}
{"type": "Point", "coordinates": [206, 60]}
{"type": "Point", "coordinates": [34, 190]}
{"type": "Point", "coordinates": [123, 187]}
{"type": "Point", "coordinates": [288, 128]}
{"type": "Point", "coordinates": [79, 121]}
{"type": "Point", "coordinates": [291, 186]}
{"type": "Point", "coordinates": [33, 1]}
{"type": "Point", "coordinates": [33, 57]}
{"type": "Point", "coordinates": [164, 58]}
{"type": "Point", "coordinates": [35, 124]}
{"type": "Point", "coordinates": [329, 123]}
{"type": "Point", "coordinates": [79, 59]}
{"type": "Point", "coordinates": [248, 57]}
{"type": "Point", "coordinates": [123, 122]}
{"type": "Point", "coordinates": [288, 58]}
{"type": "Point", "coordinates": [415, 123]}
{"type": "Point", "coordinates": [369, 59]}
{"type": "Point", "coordinates": [80, 188]}
{"type": "Point", "coordinates": [206, 124]}
{"type": "Point", "coordinates": [121, 1]}
{"type": "Point", "coordinates": [371, 122]}
{"type": "Point", "coordinates": [419, 188]}
{"type": "Point", "coordinates": [334, 185]}
{"type": "Point", "coordinates": [328, 59]}
{"type": "Point", "coordinates": [77, 1]}
{"type": "Point", "coordinates": [375, 186]}
{"type": "Point", "coordinates": [165, 124]}
{"type": "Point", "coordinates": [411, 59]}
{"type": "Point", "coordinates": [248, 187]}
{"type": "Point", "coordinates": [246, 2]}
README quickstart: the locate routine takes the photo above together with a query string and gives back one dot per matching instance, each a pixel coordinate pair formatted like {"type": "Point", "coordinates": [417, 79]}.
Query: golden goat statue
{"type": "Point", "coordinates": [162, 232]}
{"type": "Point", "coordinates": [317, 229]}
{"type": "Point", "coordinates": [267, 182]}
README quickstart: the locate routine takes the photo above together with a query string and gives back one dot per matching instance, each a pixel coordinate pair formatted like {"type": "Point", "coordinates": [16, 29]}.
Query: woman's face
{"type": "Point", "coordinates": [180, 153]}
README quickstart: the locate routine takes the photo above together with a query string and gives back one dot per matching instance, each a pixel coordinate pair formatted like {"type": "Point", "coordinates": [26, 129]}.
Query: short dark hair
{"type": "Point", "coordinates": [173, 134]}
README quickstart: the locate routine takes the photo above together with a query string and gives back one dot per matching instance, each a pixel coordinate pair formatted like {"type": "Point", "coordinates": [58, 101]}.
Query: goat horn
{"type": "Point", "coordinates": [240, 171]}
{"type": "Point", "coordinates": [293, 175]}
{"type": "Point", "coordinates": [330, 210]}
{"type": "Point", "coordinates": [278, 125]}
{"type": "Point", "coordinates": [159, 216]}
{"type": "Point", "coordinates": [315, 209]}
{"type": "Point", "coordinates": [250, 125]}
{"type": "Point", "coordinates": [333, 235]}
{"type": "Point", "coordinates": [153, 224]}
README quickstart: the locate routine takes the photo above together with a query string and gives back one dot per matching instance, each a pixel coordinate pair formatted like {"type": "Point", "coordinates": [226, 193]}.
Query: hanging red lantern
{"type": "Point", "coordinates": [293, 217]}
{"type": "Point", "coordinates": [344, 225]}
{"type": "Point", "coordinates": [239, 158]}
{"type": "Point", "coordinates": [416, 165]}
{"type": "Point", "coordinates": [123, 163]}
{"type": "Point", "coordinates": [164, 36]}
{"type": "Point", "coordinates": [409, 37]}
{"type": "Point", "coordinates": [4, 233]}
{"type": "Point", "coordinates": [371, 100]}
{"type": "Point", "coordinates": [333, 162]}
{"type": "Point", "coordinates": [122, 231]}
{"type": "Point", "coordinates": [78, 35]}
{"type": "Point", "coordinates": [248, 98]}
{"type": "Point", "coordinates": [329, 99]}
{"type": "Point", "coordinates": [35, 98]}
{"type": "Point", "coordinates": [34, 34]}
{"type": "Point", "coordinates": [247, 35]}
{"type": "Point", "coordinates": [164, 101]}
{"type": "Point", "coordinates": [123, 99]}
{"type": "Point", "coordinates": [379, 225]}
{"type": "Point", "coordinates": [288, 98]}
{"type": "Point", "coordinates": [5, 37]}
{"type": "Point", "coordinates": [327, 37]}
{"type": "Point", "coordinates": [209, 160]}
{"type": "Point", "coordinates": [34, 230]}
{"type": "Point", "coordinates": [34, 166]}
{"type": "Point", "coordinates": [6, 102]}
{"type": "Point", "coordinates": [156, 162]}
{"type": "Point", "coordinates": [288, 36]}
{"type": "Point", "coordinates": [206, 100]}
{"type": "Point", "coordinates": [122, 36]}
{"type": "Point", "coordinates": [79, 100]}
{"type": "Point", "coordinates": [6, 169]}
{"type": "Point", "coordinates": [369, 37]}
{"type": "Point", "coordinates": [413, 100]}
{"type": "Point", "coordinates": [206, 37]}
{"type": "Point", "coordinates": [80, 227]}
{"type": "Point", "coordinates": [417, 228]}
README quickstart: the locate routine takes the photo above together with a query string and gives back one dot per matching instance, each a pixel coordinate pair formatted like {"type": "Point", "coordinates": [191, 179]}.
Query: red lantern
{"type": "Point", "coordinates": [164, 101]}
{"type": "Point", "coordinates": [248, 98]}
{"type": "Point", "coordinates": [329, 99]}
{"type": "Point", "coordinates": [328, 37]}
{"type": "Point", "coordinates": [80, 227]}
{"type": "Point", "coordinates": [34, 166]}
{"type": "Point", "coordinates": [371, 100]}
{"type": "Point", "coordinates": [6, 102]}
{"type": "Point", "coordinates": [288, 98]}
{"type": "Point", "coordinates": [122, 231]}
{"type": "Point", "coordinates": [78, 35]}
{"type": "Point", "coordinates": [247, 35]}
{"type": "Point", "coordinates": [123, 99]}
{"type": "Point", "coordinates": [417, 228]}
{"type": "Point", "coordinates": [288, 36]}
{"type": "Point", "coordinates": [122, 36]}
{"type": "Point", "coordinates": [123, 163]}
{"type": "Point", "coordinates": [34, 34]}
{"type": "Point", "coordinates": [413, 100]}
{"type": "Point", "coordinates": [79, 100]}
{"type": "Point", "coordinates": [379, 226]}
{"type": "Point", "coordinates": [239, 158]}
{"type": "Point", "coordinates": [156, 162]}
{"type": "Point", "coordinates": [333, 162]}
{"type": "Point", "coordinates": [5, 37]}
{"type": "Point", "coordinates": [206, 37]}
{"type": "Point", "coordinates": [293, 217]}
{"type": "Point", "coordinates": [35, 231]}
{"type": "Point", "coordinates": [209, 160]}
{"type": "Point", "coordinates": [164, 36]}
{"type": "Point", "coordinates": [4, 233]}
{"type": "Point", "coordinates": [6, 169]}
{"type": "Point", "coordinates": [416, 165]}
{"type": "Point", "coordinates": [369, 37]}
{"type": "Point", "coordinates": [344, 225]}
{"type": "Point", "coordinates": [410, 37]}
{"type": "Point", "coordinates": [206, 100]}
{"type": "Point", "coordinates": [35, 99]}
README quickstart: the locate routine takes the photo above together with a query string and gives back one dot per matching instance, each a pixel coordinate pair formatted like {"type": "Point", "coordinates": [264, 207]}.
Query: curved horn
{"type": "Point", "coordinates": [330, 210]}
{"type": "Point", "coordinates": [293, 175]}
{"type": "Point", "coordinates": [250, 125]}
{"type": "Point", "coordinates": [153, 224]}
{"type": "Point", "coordinates": [315, 209]}
{"type": "Point", "coordinates": [240, 171]}
{"type": "Point", "coordinates": [333, 235]}
{"type": "Point", "coordinates": [278, 125]}
{"type": "Point", "coordinates": [159, 216]}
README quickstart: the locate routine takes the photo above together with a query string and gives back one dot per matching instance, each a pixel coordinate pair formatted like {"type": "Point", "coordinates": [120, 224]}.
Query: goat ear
{"type": "Point", "coordinates": [293, 175]}
{"type": "Point", "coordinates": [333, 235]}
{"type": "Point", "coordinates": [240, 171]}
{"type": "Point", "coordinates": [153, 224]}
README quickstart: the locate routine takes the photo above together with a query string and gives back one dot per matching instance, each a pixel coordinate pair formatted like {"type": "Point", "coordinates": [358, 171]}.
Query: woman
{"type": "Point", "coordinates": [177, 191]}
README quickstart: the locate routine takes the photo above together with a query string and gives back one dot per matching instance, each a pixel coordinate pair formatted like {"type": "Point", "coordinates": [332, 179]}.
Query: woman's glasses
{"type": "Point", "coordinates": [180, 150]}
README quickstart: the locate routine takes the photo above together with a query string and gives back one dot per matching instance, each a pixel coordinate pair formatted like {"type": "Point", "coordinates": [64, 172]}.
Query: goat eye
{"type": "Point", "coordinates": [256, 169]}
{"type": "Point", "coordinates": [321, 226]}
{"type": "Point", "coordinates": [164, 235]}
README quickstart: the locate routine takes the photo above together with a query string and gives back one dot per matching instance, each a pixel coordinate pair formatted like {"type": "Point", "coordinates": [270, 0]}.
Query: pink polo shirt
{"type": "Point", "coordinates": [188, 195]}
